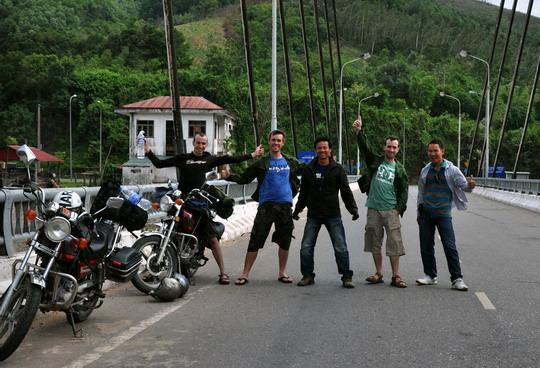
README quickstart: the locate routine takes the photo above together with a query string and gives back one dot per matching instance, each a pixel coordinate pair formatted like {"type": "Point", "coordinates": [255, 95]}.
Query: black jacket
{"type": "Point", "coordinates": [321, 196]}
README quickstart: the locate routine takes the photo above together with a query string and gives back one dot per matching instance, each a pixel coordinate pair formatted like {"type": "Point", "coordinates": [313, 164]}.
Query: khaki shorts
{"type": "Point", "coordinates": [379, 222]}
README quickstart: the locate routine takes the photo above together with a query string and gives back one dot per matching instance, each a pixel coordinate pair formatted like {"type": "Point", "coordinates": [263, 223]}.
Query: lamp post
{"type": "Point", "coordinates": [70, 141]}
{"type": "Point", "coordinates": [444, 94]}
{"type": "Point", "coordinates": [376, 94]}
{"type": "Point", "coordinates": [464, 53]}
{"type": "Point", "coordinates": [364, 56]}
{"type": "Point", "coordinates": [100, 132]}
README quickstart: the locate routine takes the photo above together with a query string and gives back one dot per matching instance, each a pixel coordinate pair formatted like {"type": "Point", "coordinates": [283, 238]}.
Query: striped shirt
{"type": "Point", "coordinates": [437, 194]}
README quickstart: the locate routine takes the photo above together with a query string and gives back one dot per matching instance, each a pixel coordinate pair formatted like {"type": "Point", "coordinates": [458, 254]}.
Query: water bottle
{"type": "Point", "coordinates": [145, 204]}
{"type": "Point", "coordinates": [132, 196]}
{"type": "Point", "coordinates": [140, 144]}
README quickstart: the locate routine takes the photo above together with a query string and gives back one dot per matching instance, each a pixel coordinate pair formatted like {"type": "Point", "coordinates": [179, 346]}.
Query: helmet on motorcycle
{"type": "Point", "coordinates": [69, 200]}
{"type": "Point", "coordinates": [168, 290]}
{"type": "Point", "coordinates": [184, 283]}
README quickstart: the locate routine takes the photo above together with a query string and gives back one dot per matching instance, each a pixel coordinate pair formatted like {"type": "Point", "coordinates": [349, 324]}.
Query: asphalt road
{"type": "Point", "coordinates": [269, 324]}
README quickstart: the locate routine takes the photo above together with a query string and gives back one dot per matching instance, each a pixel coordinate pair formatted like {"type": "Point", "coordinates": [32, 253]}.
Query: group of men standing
{"type": "Point", "coordinates": [441, 186]}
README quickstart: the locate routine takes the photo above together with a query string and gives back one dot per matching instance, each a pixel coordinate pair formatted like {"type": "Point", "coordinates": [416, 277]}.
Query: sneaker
{"type": "Point", "coordinates": [458, 284]}
{"type": "Point", "coordinates": [427, 280]}
{"type": "Point", "coordinates": [306, 280]}
{"type": "Point", "coordinates": [347, 282]}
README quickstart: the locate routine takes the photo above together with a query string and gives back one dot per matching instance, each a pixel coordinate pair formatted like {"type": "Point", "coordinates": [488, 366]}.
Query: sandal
{"type": "Point", "coordinates": [285, 279]}
{"type": "Point", "coordinates": [398, 282]}
{"type": "Point", "coordinates": [224, 279]}
{"type": "Point", "coordinates": [241, 281]}
{"type": "Point", "coordinates": [377, 278]}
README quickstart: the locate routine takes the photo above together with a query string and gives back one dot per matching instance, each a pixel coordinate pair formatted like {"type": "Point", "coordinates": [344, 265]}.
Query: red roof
{"type": "Point", "coordinates": [164, 102]}
{"type": "Point", "coordinates": [9, 153]}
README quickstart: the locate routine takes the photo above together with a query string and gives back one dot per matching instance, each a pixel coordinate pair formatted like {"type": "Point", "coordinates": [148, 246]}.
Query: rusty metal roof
{"type": "Point", "coordinates": [164, 102]}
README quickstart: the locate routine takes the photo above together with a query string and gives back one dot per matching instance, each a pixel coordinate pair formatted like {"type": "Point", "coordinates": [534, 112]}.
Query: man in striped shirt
{"type": "Point", "coordinates": [441, 186]}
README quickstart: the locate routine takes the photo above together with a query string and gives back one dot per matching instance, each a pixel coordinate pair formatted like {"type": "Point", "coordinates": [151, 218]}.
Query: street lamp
{"type": "Point", "coordinates": [70, 141]}
{"type": "Point", "coordinates": [376, 94]}
{"type": "Point", "coordinates": [364, 56]}
{"type": "Point", "coordinates": [100, 132]}
{"type": "Point", "coordinates": [463, 54]}
{"type": "Point", "coordinates": [444, 94]}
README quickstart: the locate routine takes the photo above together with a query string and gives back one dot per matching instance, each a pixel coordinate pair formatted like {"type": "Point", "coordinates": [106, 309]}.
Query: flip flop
{"type": "Point", "coordinates": [241, 281]}
{"type": "Point", "coordinates": [224, 279]}
{"type": "Point", "coordinates": [285, 279]}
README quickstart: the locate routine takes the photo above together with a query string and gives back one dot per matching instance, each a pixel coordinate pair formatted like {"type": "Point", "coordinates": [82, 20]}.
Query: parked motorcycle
{"type": "Point", "coordinates": [73, 255]}
{"type": "Point", "coordinates": [175, 246]}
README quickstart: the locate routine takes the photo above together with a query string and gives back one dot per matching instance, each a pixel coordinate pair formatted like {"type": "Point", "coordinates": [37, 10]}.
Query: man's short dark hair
{"type": "Point", "coordinates": [276, 132]}
{"type": "Point", "coordinates": [437, 141]}
{"type": "Point", "coordinates": [322, 139]}
{"type": "Point", "coordinates": [392, 138]}
{"type": "Point", "coordinates": [200, 134]}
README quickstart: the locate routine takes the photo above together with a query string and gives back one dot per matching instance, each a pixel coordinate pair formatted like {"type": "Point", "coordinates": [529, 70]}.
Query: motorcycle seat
{"type": "Point", "coordinates": [101, 238]}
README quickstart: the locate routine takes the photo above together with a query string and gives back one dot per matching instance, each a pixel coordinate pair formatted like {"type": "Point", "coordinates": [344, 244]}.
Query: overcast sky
{"type": "Point", "coordinates": [521, 6]}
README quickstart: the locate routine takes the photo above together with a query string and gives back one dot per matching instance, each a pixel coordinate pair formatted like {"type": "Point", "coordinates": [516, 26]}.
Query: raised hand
{"type": "Point", "coordinates": [357, 125]}
{"type": "Point", "coordinates": [259, 151]}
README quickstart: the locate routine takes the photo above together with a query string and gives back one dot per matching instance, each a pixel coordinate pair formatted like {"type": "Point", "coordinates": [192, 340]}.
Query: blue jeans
{"type": "Point", "coordinates": [427, 224]}
{"type": "Point", "coordinates": [337, 235]}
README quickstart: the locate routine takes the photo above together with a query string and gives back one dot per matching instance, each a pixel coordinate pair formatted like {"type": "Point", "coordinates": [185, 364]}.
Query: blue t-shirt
{"type": "Point", "coordinates": [276, 186]}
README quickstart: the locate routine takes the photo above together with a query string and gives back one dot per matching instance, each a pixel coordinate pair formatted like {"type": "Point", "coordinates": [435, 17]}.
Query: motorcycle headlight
{"type": "Point", "coordinates": [57, 228]}
{"type": "Point", "coordinates": [165, 203]}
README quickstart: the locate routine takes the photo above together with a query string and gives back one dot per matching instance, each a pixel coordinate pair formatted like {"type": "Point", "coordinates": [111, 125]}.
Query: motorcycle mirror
{"type": "Point", "coordinates": [172, 185]}
{"type": "Point", "coordinates": [26, 155]}
{"type": "Point", "coordinates": [115, 202]}
{"type": "Point", "coordinates": [211, 175]}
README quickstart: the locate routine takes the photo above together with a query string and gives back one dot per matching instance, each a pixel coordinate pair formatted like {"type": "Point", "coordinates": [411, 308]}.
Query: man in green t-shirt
{"type": "Point", "coordinates": [387, 186]}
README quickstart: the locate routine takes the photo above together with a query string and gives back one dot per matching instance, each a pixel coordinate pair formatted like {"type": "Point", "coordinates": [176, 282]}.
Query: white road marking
{"type": "Point", "coordinates": [132, 331]}
{"type": "Point", "coordinates": [486, 303]}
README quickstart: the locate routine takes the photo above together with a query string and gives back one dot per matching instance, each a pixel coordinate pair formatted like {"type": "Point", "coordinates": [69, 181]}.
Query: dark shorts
{"type": "Point", "coordinates": [205, 231]}
{"type": "Point", "coordinates": [267, 214]}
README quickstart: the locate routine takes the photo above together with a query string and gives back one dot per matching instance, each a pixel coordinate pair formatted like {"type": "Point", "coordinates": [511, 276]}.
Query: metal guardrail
{"type": "Point", "coordinates": [527, 186]}
{"type": "Point", "coordinates": [13, 204]}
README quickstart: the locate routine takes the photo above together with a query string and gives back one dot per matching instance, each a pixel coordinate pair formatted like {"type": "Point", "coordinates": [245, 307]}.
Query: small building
{"type": "Point", "coordinates": [154, 116]}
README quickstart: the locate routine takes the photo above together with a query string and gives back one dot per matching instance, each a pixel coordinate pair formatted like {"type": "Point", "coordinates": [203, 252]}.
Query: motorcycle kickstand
{"type": "Point", "coordinates": [72, 323]}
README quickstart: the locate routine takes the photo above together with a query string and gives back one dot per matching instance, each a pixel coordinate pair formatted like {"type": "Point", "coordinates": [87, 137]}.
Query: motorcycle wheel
{"type": "Point", "coordinates": [20, 314]}
{"type": "Point", "coordinates": [150, 274]}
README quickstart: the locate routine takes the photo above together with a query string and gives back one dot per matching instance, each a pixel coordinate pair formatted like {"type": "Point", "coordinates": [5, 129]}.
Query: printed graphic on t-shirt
{"type": "Point", "coordinates": [192, 162]}
{"type": "Point", "coordinates": [386, 174]}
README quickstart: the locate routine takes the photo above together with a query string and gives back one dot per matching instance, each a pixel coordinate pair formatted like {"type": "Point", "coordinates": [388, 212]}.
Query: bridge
{"type": "Point", "coordinates": [270, 324]}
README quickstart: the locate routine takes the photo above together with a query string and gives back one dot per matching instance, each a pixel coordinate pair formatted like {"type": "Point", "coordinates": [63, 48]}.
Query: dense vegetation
{"type": "Point", "coordinates": [113, 51]}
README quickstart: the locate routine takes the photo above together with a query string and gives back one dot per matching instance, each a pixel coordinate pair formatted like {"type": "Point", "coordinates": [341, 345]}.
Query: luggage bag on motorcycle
{"type": "Point", "coordinates": [225, 206]}
{"type": "Point", "coordinates": [123, 264]}
{"type": "Point", "coordinates": [131, 216]}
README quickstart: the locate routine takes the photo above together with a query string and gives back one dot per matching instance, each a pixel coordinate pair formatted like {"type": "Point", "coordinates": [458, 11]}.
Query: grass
{"type": "Point", "coordinates": [203, 34]}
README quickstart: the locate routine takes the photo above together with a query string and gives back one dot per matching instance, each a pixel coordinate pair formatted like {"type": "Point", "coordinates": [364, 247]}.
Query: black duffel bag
{"type": "Point", "coordinates": [224, 207]}
{"type": "Point", "coordinates": [131, 216]}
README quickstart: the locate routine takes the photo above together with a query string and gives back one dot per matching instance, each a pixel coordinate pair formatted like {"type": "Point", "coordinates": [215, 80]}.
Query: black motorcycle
{"type": "Point", "coordinates": [66, 263]}
{"type": "Point", "coordinates": [175, 247]}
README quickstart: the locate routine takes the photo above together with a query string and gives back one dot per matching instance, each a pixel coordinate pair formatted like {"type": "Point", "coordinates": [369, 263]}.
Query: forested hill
{"type": "Point", "coordinates": [112, 52]}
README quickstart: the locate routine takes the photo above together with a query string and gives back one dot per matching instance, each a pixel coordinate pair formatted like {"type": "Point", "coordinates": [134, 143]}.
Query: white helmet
{"type": "Point", "coordinates": [68, 199]}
